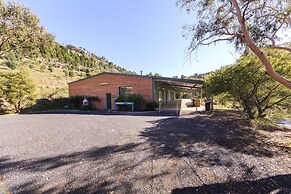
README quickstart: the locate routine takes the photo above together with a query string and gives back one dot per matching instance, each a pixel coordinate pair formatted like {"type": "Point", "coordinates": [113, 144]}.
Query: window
{"type": "Point", "coordinates": [123, 91]}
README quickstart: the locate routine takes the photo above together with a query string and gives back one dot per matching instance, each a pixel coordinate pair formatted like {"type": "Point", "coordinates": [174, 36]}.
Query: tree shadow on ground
{"type": "Point", "coordinates": [97, 170]}
{"type": "Point", "coordinates": [275, 184]}
{"type": "Point", "coordinates": [225, 131]}
{"type": "Point", "coordinates": [49, 163]}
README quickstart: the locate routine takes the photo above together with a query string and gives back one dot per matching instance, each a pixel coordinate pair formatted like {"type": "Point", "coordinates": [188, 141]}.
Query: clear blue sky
{"type": "Point", "coordinates": [135, 34]}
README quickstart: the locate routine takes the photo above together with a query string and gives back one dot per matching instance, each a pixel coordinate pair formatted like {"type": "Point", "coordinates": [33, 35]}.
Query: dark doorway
{"type": "Point", "coordinates": [108, 101]}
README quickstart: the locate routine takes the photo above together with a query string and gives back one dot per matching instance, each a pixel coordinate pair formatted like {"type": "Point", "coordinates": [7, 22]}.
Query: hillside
{"type": "Point", "coordinates": [25, 45]}
{"type": "Point", "coordinates": [53, 68]}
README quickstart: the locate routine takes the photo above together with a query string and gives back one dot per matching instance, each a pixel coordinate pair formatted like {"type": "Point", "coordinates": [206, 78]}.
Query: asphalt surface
{"type": "Point", "coordinates": [95, 153]}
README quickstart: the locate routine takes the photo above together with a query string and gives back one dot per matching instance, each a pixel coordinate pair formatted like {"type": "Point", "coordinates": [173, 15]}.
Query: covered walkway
{"type": "Point", "coordinates": [183, 106]}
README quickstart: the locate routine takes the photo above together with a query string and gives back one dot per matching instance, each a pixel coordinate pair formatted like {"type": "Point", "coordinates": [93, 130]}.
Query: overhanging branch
{"type": "Point", "coordinates": [250, 42]}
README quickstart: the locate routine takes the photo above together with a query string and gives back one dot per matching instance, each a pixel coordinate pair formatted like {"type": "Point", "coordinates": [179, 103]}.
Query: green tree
{"type": "Point", "coordinates": [71, 74]}
{"type": "Point", "coordinates": [19, 29]}
{"type": "Point", "coordinates": [17, 89]}
{"type": "Point", "coordinates": [255, 24]}
{"type": "Point", "coordinates": [248, 84]}
{"type": "Point", "coordinates": [11, 61]}
{"type": "Point", "coordinates": [150, 74]}
{"type": "Point", "coordinates": [50, 68]}
{"type": "Point", "coordinates": [88, 73]}
{"type": "Point", "coordinates": [139, 102]}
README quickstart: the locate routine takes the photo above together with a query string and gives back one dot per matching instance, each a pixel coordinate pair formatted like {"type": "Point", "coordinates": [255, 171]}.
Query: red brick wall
{"type": "Point", "coordinates": [110, 83]}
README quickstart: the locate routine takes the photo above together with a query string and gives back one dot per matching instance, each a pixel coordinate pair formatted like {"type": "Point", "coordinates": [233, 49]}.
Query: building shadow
{"type": "Point", "coordinates": [279, 184]}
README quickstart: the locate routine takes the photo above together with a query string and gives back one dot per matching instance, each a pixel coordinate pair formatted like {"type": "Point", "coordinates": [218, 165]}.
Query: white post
{"type": "Point", "coordinates": [160, 106]}
{"type": "Point", "coordinates": [211, 105]}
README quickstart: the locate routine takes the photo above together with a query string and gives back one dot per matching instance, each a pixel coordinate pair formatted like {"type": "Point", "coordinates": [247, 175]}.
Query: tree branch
{"type": "Point", "coordinates": [282, 48]}
{"type": "Point", "coordinates": [218, 40]}
{"type": "Point", "coordinates": [277, 102]}
{"type": "Point", "coordinates": [250, 42]}
{"type": "Point", "coordinates": [270, 92]}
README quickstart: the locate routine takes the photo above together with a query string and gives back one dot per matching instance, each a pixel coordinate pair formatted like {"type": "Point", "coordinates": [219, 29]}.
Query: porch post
{"type": "Point", "coordinates": [211, 103]}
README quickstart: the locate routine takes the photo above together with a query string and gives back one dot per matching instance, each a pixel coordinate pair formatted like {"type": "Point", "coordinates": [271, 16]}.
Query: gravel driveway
{"type": "Point", "coordinates": [79, 153]}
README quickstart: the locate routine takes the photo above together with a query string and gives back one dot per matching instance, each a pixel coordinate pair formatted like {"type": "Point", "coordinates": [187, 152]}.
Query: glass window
{"type": "Point", "coordinates": [123, 91]}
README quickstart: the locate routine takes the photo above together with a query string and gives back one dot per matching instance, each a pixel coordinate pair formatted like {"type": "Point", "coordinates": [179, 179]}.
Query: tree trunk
{"type": "Point", "coordinates": [17, 107]}
{"type": "Point", "coordinates": [248, 109]}
{"type": "Point", "coordinates": [261, 113]}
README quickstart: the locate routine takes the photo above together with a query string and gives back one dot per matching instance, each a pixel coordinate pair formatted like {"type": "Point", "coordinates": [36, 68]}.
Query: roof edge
{"type": "Point", "coordinates": [135, 75]}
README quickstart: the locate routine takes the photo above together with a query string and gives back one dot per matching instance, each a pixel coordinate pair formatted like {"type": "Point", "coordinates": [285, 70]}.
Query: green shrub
{"type": "Point", "coordinates": [31, 66]}
{"type": "Point", "coordinates": [71, 74]}
{"type": "Point", "coordinates": [75, 102]}
{"type": "Point", "coordinates": [50, 68]}
{"type": "Point", "coordinates": [66, 72]}
{"type": "Point", "coordinates": [11, 64]}
{"type": "Point", "coordinates": [139, 102]}
{"type": "Point", "coordinates": [151, 106]}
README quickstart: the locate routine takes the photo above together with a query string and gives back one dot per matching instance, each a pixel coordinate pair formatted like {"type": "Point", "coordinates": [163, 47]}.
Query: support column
{"type": "Point", "coordinates": [211, 105]}
{"type": "Point", "coordinates": [165, 96]}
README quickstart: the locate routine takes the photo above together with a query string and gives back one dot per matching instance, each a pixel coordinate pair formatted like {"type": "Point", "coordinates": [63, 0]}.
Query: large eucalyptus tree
{"type": "Point", "coordinates": [251, 23]}
{"type": "Point", "coordinates": [20, 29]}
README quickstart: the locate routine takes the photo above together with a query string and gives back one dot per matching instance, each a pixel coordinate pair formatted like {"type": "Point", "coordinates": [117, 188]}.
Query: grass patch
{"type": "Point", "coordinates": [264, 122]}
{"type": "Point", "coordinates": [276, 134]}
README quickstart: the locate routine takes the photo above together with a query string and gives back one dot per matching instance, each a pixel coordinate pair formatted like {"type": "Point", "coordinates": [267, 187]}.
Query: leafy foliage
{"type": "Point", "coordinates": [151, 106]}
{"type": "Point", "coordinates": [74, 103]}
{"type": "Point", "coordinates": [19, 29]}
{"type": "Point", "coordinates": [247, 83]}
{"type": "Point", "coordinates": [17, 89]}
{"type": "Point", "coordinates": [154, 75]}
{"type": "Point", "coordinates": [251, 23]}
{"type": "Point", "coordinates": [26, 44]}
{"type": "Point", "coordinates": [22, 36]}
{"type": "Point", "coordinates": [217, 20]}
{"type": "Point", "coordinates": [139, 102]}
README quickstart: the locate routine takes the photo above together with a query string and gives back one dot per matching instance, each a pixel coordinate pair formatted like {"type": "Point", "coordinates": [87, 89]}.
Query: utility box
{"type": "Point", "coordinates": [196, 103]}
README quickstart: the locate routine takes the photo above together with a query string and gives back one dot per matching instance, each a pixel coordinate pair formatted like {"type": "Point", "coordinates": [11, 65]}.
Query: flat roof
{"type": "Point", "coordinates": [180, 84]}
{"type": "Point", "coordinates": [166, 80]}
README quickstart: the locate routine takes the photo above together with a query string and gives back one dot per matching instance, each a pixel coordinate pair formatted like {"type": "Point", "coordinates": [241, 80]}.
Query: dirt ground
{"type": "Point", "coordinates": [87, 153]}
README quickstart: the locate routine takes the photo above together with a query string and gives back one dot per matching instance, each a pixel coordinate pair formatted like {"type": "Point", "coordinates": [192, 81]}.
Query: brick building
{"type": "Point", "coordinates": [108, 86]}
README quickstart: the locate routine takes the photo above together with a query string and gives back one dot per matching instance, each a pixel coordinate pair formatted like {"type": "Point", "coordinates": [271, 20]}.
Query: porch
{"type": "Point", "coordinates": [182, 106]}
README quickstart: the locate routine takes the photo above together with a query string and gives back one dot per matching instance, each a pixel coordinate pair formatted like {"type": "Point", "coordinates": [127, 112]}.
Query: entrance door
{"type": "Point", "coordinates": [108, 101]}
